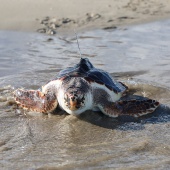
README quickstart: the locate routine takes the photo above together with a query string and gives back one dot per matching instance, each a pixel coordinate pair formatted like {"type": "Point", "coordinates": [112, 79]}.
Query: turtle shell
{"type": "Point", "coordinates": [86, 70]}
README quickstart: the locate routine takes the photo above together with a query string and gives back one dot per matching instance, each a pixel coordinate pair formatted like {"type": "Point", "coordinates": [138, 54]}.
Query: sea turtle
{"type": "Point", "coordinates": [84, 87]}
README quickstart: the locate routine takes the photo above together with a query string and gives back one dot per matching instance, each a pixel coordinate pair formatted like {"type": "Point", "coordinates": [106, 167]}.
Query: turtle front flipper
{"type": "Point", "coordinates": [35, 100]}
{"type": "Point", "coordinates": [133, 107]}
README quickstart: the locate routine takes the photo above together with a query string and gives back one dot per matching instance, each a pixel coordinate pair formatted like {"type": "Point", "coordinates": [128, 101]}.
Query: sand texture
{"type": "Point", "coordinates": [55, 16]}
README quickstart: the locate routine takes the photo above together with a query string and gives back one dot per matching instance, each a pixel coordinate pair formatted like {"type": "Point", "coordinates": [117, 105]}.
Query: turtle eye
{"type": "Point", "coordinates": [73, 98]}
{"type": "Point", "coordinates": [81, 99]}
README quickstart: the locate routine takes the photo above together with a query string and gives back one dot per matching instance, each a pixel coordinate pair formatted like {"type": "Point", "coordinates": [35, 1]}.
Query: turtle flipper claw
{"type": "Point", "coordinates": [35, 100]}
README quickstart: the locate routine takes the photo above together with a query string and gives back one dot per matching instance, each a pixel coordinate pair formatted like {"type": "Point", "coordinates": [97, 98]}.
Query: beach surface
{"type": "Point", "coordinates": [119, 37]}
{"type": "Point", "coordinates": [137, 56]}
{"type": "Point", "coordinates": [64, 15]}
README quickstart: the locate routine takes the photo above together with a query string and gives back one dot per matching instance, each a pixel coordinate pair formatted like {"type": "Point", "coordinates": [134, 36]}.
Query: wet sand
{"type": "Point", "coordinates": [65, 15]}
{"type": "Point", "coordinates": [137, 55]}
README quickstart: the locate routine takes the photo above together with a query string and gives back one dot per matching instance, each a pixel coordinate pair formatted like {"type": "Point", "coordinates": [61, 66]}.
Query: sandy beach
{"type": "Point", "coordinates": [118, 36]}
{"type": "Point", "coordinates": [64, 15]}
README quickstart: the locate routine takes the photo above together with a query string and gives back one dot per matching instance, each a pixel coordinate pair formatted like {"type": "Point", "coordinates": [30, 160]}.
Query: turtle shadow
{"type": "Point", "coordinates": [160, 115]}
{"type": "Point", "coordinates": [125, 122]}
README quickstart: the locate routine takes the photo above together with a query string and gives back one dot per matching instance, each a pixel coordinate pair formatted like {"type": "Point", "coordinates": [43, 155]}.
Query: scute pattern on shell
{"type": "Point", "coordinates": [86, 70]}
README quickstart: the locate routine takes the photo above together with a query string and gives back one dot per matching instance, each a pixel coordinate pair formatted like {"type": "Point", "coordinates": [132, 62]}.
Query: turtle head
{"type": "Point", "coordinates": [77, 96]}
{"type": "Point", "coordinates": [74, 100]}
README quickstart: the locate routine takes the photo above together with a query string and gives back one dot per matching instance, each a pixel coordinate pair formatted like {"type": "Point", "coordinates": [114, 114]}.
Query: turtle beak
{"type": "Point", "coordinates": [73, 105]}
{"type": "Point", "coordinates": [73, 102]}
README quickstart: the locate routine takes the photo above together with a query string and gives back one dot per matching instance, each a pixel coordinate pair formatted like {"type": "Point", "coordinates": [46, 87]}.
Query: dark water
{"type": "Point", "coordinates": [138, 56]}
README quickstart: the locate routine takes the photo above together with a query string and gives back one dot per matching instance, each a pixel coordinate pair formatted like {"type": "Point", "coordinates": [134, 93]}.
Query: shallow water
{"type": "Point", "coordinates": [138, 56]}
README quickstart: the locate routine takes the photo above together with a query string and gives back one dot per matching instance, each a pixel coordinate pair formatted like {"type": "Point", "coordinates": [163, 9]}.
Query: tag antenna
{"type": "Point", "coordinates": [78, 43]}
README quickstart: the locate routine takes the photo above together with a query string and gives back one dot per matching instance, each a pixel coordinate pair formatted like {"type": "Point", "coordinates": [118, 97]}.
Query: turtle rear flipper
{"type": "Point", "coordinates": [133, 107]}
{"type": "Point", "coordinates": [35, 100]}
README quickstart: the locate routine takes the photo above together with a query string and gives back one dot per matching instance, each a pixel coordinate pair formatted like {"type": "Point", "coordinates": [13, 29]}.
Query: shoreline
{"type": "Point", "coordinates": [65, 16]}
